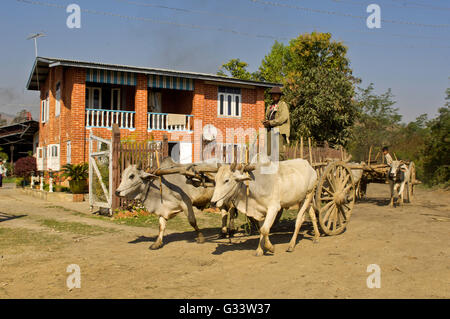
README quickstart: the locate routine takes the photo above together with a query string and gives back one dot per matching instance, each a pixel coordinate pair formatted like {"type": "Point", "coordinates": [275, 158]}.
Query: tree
{"type": "Point", "coordinates": [318, 86]}
{"type": "Point", "coordinates": [236, 69]}
{"type": "Point", "coordinates": [377, 123]}
{"type": "Point", "coordinates": [436, 160]}
{"type": "Point", "coordinates": [274, 66]}
{"type": "Point", "coordinates": [3, 155]}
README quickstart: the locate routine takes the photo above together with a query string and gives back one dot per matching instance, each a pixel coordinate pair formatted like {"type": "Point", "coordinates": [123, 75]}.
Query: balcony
{"type": "Point", "coordinates": [169, 122]}
{"type": "Point", "coordinates": [106, 118]}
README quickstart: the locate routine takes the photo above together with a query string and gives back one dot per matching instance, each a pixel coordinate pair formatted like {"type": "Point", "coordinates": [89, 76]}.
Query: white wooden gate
{"type": "Point", "coordinates": [100, 173]}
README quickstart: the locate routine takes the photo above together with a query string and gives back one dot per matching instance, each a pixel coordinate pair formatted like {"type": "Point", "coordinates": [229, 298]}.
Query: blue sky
{"type": "Point", "coordinates": [410, 53]}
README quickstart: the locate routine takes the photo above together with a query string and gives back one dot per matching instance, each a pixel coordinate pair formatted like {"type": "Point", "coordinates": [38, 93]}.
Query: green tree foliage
{"type": "Point", "coordinates": [236, 69]}
{"type": "Point", "coordinates": [274, 66]}
{"type": "Point", "coordinates": [377, 123]}
{"type": "Point", "coordinates": [318, 85]}
{"type": "Point", "coordinates": [436, 160]}
{"type": "Point", "coordinates": [3, 155]}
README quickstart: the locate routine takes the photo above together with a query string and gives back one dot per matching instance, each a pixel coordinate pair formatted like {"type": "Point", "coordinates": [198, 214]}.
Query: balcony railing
{"type": "Point", "coordinates": [106, 118]}
{"type": "Point", "coordinates": [169, 122]}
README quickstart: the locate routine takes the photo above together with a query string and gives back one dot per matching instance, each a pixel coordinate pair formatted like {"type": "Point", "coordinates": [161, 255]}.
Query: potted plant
{"type": "Point", "coordinates": [78, 175]}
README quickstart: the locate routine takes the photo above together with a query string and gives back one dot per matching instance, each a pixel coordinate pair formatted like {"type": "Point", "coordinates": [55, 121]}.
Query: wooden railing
{"type": "Point", "coordinates": [106, 118]}
{"type": "Point", "coordinates": [163, 122]}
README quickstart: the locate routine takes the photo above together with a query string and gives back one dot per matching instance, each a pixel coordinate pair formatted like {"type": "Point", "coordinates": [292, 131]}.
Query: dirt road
{"type": "Point", "coordinates": [38, 240]}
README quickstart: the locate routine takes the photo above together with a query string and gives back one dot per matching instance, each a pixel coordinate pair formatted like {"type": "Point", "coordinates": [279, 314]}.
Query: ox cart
{"type": "Point", "coordinates": [335, 193]}
{"type": "Point", "coordinates": [378, 173]}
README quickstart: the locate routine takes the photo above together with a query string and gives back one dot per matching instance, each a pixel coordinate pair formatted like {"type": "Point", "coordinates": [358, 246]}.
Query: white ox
{"type": "Point", "coordinates": [291, 184]}
{"type": "Point", "coordinates": [177, 195]}
{"type": "Point", "coordinates": [398, 176]}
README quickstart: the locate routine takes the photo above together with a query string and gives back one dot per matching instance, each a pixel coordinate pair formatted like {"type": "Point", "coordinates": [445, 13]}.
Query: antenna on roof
{"type": "Point", "coordinates": [35, 36]}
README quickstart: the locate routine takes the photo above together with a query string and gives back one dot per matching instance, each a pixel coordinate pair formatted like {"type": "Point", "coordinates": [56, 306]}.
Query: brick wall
{"type": "Point", "coordinates": [202, 103]}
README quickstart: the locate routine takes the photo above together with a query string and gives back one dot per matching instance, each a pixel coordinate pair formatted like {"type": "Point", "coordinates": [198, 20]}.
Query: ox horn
{"type": "Point", "coordinates": [233, 167]}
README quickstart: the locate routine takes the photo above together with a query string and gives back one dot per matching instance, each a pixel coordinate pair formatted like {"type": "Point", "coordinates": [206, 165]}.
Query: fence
{"type": "Point", "coordinates": [107, 118]}
{"type": "Point", "coordinates": [315, 152]}
{"type": "Point", "coordinates": [146, 153]}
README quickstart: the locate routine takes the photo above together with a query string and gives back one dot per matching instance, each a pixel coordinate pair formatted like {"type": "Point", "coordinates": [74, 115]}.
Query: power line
{"type": "Point", "coordinates": [156, 21]}
{"type": "Point", "coordinates": [145, 4]}
{"type": "Point", "coordinates": [418, 4]}
{"type": "Point", "coordinates": [348, 15]}
{"type": "Point", "coordinates": [404, 5]}
{"type": "Point", "coordinates": [199, 27]}
{"type": "Point", "coordinates": [184, 10]}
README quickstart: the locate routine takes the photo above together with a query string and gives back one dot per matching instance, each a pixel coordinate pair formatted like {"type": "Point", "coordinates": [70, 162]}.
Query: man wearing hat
{"type": "Point", "coordinates": [277, 122]}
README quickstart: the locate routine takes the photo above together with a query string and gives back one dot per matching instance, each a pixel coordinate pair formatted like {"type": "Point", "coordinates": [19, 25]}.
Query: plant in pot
{"type": "Point", "coordinates": [77, 175]}
{"type": "Point", "coordinates": [57, 182]}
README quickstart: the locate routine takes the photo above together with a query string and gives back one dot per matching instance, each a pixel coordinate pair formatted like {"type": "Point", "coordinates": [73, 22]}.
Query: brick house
{"type": "Point", "coordinates": [78, 97]}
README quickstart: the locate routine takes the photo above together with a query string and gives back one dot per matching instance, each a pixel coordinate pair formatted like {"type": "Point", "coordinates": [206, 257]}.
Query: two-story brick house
{"type": "Point", "coordinates": [77, 97]}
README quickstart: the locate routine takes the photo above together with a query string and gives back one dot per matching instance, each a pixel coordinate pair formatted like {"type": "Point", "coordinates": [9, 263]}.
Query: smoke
{"type": "Point", "coordinates": [13, 101]}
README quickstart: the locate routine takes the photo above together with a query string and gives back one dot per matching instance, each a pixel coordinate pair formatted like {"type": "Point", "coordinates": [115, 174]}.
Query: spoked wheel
{"type": "Point", "coordinates": [335, 198]}
{"type": "Point", "coordinates": [412, 181]}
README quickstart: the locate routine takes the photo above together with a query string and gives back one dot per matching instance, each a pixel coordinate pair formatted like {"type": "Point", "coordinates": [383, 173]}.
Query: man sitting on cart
{"type": "Point", "coordinates": [387, 156]}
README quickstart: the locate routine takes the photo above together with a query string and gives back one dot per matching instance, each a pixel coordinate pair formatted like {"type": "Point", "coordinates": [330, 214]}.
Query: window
{"type": "Point", "coordinates": [229, 103]}
{"type": "Point", "coordinates": [54, 150]}
{"type": "Point", "coordinates": [93, 98]}
{"type": "Point", "coordinates": [115, 99]}
{"type": "Point", "coordinates": [58, 99]}
{"type": "Point", "coordinates": [69, 152]}
{"type": "Point", "coordinates": [155, 102]}
{"type": "Point", "coordinates": [53, 157]}
{"type": "Point", "coordinates": [45, 110]}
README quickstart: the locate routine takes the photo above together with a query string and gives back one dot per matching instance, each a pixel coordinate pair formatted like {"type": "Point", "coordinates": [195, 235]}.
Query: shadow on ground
{"type": "Point", "coordinates": [280, 234]}
{"type": "Point", "coordinates": [5, 217]}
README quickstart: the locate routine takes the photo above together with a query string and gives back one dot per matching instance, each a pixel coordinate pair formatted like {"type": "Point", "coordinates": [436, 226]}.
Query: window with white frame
{"type": "Point", "coordinates": [45, 110]}
{"type": "Point", "coordinates": [69, 152]}
{"type": "Point", "coordinates": [58, 99]}
{"type": "Point", "coordinates": [53, 157]}
{"type": "Point", "coordinates": [93, 98]}
{"type": "Point", "coordinates": [229, 101]}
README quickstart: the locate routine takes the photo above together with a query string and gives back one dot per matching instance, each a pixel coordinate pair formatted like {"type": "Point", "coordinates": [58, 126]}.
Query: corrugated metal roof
{"type": "Point", "coordinates": [44, 63]}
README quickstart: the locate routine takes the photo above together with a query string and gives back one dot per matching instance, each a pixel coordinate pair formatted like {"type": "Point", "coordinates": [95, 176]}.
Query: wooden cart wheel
{"type": "Point", "coordinates": [412, 181]}
{"type": "Point", "coordinates": [335, 198]}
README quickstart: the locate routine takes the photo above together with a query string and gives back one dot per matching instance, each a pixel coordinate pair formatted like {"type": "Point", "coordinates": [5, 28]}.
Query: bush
{"type": "Point", "coordinates": [25, 166]}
